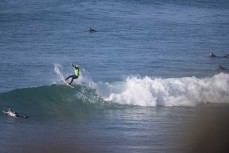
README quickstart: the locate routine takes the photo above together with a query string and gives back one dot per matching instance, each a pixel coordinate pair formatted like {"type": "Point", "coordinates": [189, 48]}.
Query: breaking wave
{"type": "Point", "coordinates": [145, 91]}
{"type": "Point", "coordinates": [186, 91]}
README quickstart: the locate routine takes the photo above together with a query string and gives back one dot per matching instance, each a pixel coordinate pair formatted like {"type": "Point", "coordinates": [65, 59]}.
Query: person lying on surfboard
{"type": "Point", "coordinates": [75, 75]}
{"type": "Point", "coordinates": [213, 55]}
{"type": "Point", "coordinates": [11, 113]}
{"type": "Point", "coordinates": [91, 30]}
{"type": "Point", "coordinates": [221, 68]}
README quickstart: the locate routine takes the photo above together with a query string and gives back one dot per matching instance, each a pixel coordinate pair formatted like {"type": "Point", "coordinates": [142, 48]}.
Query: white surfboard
{"type": "Point", "coordinates": [68, 84]}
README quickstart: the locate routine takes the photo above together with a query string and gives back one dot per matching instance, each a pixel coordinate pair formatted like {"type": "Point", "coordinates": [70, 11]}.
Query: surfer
{"type": "Point", "coordinates": [221, 68]}
{"type": "Point", "coordinates": [75, 75]}
{"type": "Point", "coordinates": [11, 113]}
{"type": "Point", "coordinates": [91, 30]}
{"type": "Point", "coordinates": [213, 55]}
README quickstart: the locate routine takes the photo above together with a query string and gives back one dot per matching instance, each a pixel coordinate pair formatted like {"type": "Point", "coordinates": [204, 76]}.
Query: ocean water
{"type": "Point", "coordinates": [146, 79]}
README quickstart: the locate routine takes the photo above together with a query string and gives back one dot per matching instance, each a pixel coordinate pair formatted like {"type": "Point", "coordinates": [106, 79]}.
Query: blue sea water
{"type": "Point", "coordinates": [144, 74]}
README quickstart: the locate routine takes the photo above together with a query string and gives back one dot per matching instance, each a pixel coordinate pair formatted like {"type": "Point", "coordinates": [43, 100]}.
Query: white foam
{"type": "Point", "coordinates": [57, 68]}
{"type": "Point", "coordinates": [186, 91]}
{"type": "Point", "coordinates": [148, 91]}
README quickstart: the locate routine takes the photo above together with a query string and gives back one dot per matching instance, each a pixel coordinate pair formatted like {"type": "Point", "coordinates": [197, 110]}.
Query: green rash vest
{"type": "Point", "coordinates": [76, 71]}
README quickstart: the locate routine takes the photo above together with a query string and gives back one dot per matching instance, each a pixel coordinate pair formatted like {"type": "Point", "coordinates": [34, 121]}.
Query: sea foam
{"type": "Point", "coordinates": [186, 91]}
{"type": "Point", "coordinates": [149, 91]}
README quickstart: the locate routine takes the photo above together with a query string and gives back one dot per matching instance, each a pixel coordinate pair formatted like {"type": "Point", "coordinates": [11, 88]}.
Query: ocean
{"type": "Point", "coordinates": [146, 84]}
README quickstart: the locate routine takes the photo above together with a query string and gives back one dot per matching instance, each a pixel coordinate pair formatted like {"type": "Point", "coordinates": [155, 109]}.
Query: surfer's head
{"type": "Point", "coordinates": [75, 66]}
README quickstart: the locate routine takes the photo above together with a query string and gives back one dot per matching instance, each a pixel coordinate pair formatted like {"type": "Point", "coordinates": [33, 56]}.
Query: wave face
{"type": "Point", "coordinates": [58, 99]}
{"type": "Point", "coordinates": [53, 100]}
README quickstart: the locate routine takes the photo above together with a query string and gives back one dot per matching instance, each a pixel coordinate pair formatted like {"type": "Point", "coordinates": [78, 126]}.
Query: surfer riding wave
{"type": "Point", "coordinates": [75, 75]}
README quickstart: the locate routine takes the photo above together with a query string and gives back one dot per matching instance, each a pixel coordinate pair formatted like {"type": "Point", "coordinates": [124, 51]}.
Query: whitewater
{"type": "Point", "coordinates": [149, 91]}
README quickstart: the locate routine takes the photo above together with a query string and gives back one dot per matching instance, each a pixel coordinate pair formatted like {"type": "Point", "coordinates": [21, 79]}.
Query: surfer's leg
{"type": "Point", "coordinates": [73, 77]}
{"type": "Point", "coordinates": [71, 81]}
{"type": "Point", "coordinates": [70, 76]}
{"type": "Point", "coordinates": [67, 78]}
{"type": "Point", "coordinates": [16, 114]}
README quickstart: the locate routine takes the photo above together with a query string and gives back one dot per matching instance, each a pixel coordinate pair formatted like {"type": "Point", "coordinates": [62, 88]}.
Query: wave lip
{"type": "Point", "coordinates": [186, 91]}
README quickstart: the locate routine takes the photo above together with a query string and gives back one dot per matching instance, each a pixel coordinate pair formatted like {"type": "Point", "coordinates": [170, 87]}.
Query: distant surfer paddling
{"type": "Point", "coordinates": [11, 113]}
{"type": "Point", "coordinates": [75, 75]}
{"type": "Point", "coordinates": [91, 30]}
{"type": "Point", "coordinates": [221, 68]}
{"type": "Point", "coordinates": [213, 55]}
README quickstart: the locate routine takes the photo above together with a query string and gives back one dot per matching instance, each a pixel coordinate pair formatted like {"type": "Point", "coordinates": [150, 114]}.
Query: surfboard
{"type": "Point", "coordinates": [68, 84]}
